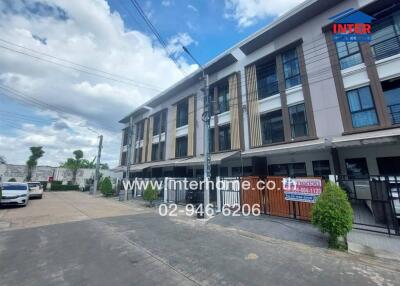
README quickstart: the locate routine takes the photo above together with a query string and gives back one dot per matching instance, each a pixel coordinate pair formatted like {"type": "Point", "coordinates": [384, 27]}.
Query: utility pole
{"type": "Point", "coordinates": [96, 175]}
{"type": "Point", "coordinates": [128, 155]}
{"type": "Point", "coordinates": [206, 119]}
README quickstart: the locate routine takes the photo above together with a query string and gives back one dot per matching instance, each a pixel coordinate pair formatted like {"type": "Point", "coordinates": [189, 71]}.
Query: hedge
{"type": "Point", "coordinates": [58, 187]}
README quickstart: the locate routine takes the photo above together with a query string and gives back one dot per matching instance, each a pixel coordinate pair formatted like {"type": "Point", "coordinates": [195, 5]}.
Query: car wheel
{"type": "Point", "coordinates": [40, 197]}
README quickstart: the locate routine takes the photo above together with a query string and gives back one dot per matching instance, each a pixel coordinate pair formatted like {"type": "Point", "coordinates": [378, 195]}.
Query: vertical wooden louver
{"type": "Point", "coordinates": [191, 127]}
{"type": "Point", "coordinates": [252, 107]}
{"type": "Point", "coordinates": [145, 140]}
{"type": "Point", "coordinates": [172, 136]}
{"type": "Point", "coordinates": [234, 111]}
{"type": "Point", "coordinates": [150, 139]}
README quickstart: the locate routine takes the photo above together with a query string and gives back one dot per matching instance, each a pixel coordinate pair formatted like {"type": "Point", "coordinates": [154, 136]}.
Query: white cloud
{"type": "Point", "coordinates": [87, 33]}
{"type": "Point", "coordinates": [166, 3]}
{"type": "Point", "coordinates": [175, 43]}
{"type": "Point", "coordinates": [249, 12]}
{"type": "Point", "coordinates": [193, 8]}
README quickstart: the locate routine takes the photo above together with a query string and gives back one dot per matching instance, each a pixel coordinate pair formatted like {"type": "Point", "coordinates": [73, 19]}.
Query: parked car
{"type": "Point", "coordinates": [14, 193]}
{"type": "Point", "coordinates": [35, 190]}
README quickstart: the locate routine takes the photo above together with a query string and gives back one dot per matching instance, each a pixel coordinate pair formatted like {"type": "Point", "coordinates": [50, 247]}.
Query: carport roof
{"type": "Point", "coordinates": [216, 158]}
{"type": "Point", "coordinates": [374, 137]}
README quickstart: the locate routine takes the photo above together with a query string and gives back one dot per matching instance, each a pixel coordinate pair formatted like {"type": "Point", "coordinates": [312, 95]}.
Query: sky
{"type": "Point", "coordinates": [71, 69]}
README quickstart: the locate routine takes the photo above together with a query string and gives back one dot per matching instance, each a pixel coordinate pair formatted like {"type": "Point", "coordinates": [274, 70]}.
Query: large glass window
{"type": "Point", "coordinates": [291, 68]}
{"type": "Point", "coordinates": [321, 168]}
{"type": "Point", "coordinates": [388, 165]}
{"type": "Point", "coordinates": [223, 98]}
{"type": "Point", "coordinates": [125, 136]}
{"type": "Point", "coordinates": [391, 90]}
{"type": "Point", "coordinates": [298, 121]}
{"type": "Point", "coordinates": [123, 158]}
{"type": "Point", "coordinates": [349, 54]}
{"type": "Point", "coordinates": [267, 81]}
{"type": "Point", "coordinates": [272, 127]}
{"type": "Point", "coordinates": [357, 168]}
{"type": "Point", "coordinates": [138, 155]}
{"type": "Point", "coordinates": [362, 107]}
{"type": "Point", "coordinates": [181, 147]}
{"type": "Point", "coordinates": [155, 152]}
{"type": "Point", "coordinates": [182, 113]}
{"type": "Point", "coordinates": [290, 170]}
{"type": "Point", "coordinates": [386, 37]}
{"type": "Point", "coordinates": [224, 137]}
{"type": "Point", "coordinates": [163, 121]}
{"type": "Point", "coordinates": [211, 140]}
{"type": "Point", "coordinates": [140, 130]}
{"type": "Point", "coordinates": [156, 124]}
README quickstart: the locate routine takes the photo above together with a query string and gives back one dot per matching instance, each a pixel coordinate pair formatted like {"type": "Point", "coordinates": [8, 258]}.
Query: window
{"type": "Point", "coordinates": [138, 156]}
{"type": "Point", "coordinates": [298, 121]}
{"type": "Point", "coordinates": [210, 102]}
{"type": "Point", "coordinates": [156, 124]}
{"type": "Point", "coordinates": [385, 36]}
{"type": "Point", "coordinates": [181, 147]}
{"type": "Point", "coordinates": [123, 158]}
{"type": "Point", "coordinates": [362, 107]}
{"type": "Point", "coordinates": [349, 54]}
{"type": "Point", "coordinates": [388, 165]}
{"type": "Point", "coordinates": [291, 68]}
{"type": "Point", "coordinates": [224, 137]}
{"type": "Point", "coordinates": [291, 170]}
{"type": "Point", "coordinates": [357, 168]}
{"type": "Point", "coordinates": [211, 140]}
{"type": "Point", "coordinates": [125, 136]}
{"type": "Point", "coordinates": [155, 152]}
{"type": "Point", "coordinates": [272, 127]}
{"type": "Point", "coordinates": [267, 81]}
{"type": "Point", "coordinates": [321, 168]}
{"type": "Point", "coordinates": [182, 113]}
{"type": "Point", "coordinates": [223, 98]}
{"type": "Point", "coordinates": [163, 121]}
{"type": "Point", "coordinates": [140, 130]}
{"type": "Point", "coordinates": [391, 90]}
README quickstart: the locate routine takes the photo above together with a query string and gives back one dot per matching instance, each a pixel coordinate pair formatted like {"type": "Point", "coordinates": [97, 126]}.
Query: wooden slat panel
{"type": "Point", "coordinates": [191, 121]}
{"type": "Point", "coordinates": [276, 203]}
{"type": "Point", "coordinates": [252, 103]}
{"type": "Point", "coordinates": [251, 196]}
{"type": "Point", "coordinates": [150, 139]}
{"type": "Point", "coordinates": [145, 140]}
{"type": "Point", "coordinates": [234, 112]}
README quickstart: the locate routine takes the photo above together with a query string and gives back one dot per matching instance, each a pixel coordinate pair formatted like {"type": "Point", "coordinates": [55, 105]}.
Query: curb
{"type": "Point", "coordinates": [357, 248]}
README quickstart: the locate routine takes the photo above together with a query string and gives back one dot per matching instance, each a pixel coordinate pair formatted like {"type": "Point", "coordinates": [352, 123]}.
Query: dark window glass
{"type": "Point", "coordinates": [181, 147]}
{"type": "Point", "coordinates": [224, 138]}
{"type": "Point", "coordinates": [272, 127]}
{"type": "Point", "coordinates": [386, 37]}
{"type": "Point", "coordinates": [298, 121]}
{"type": "Point", "coordinates": [223, 98]}
{"type": "Point", "coordinates": [291, 170]}
{"type": "Point", "coordinates": [391, 90]}
{"type": "Point", "coordinates": [140, 130]}
{"type": "Point", "coordinates": [156, 124]}
{"type": "Point", "coordinates": [155, 152]}
{"type": "Point", "coordinates": [223, 171]}
{"type": "Point", "coordinates": [349, 54]}
{"type": "Point", "coordinates": [163, 121]}
{"type": "Point", "coordinates": [162, 151]}
{"type": "Point", "coordinates": [291, 68]}
{"type": "Point", "coordinates": [138, 156]}
{"type": "Point", "coordinates": [211, 140]}
{"type": "Point", "coordinates": [321, 168]}
{"type": "Point", "coordinates": [182, 113]}
{"type": "Point", "coordinates": [210, 102]}
{"type": "Point", "coordinates": [125, 138]}
{"type": "Point", "coordinates": [267, 81]}
{"type": "Point", "coordinates": [357, 168]}
{"type": "Point", "coordinates": [123, 158]}
{"type": "Point", "coordinates": [362, 107]}
{"type": "Point", "coordinates": [389, 165]}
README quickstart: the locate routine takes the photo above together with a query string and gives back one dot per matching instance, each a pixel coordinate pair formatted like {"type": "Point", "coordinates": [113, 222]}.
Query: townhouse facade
{"type": "Point", "coordinates": [286, 101]}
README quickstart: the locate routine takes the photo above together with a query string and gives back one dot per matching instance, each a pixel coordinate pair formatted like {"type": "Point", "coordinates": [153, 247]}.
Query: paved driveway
{"type": "Point", "coordinates": [142, 248]}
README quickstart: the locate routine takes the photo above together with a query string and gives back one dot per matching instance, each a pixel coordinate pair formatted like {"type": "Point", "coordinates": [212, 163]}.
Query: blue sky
{"type": "Point", "coordinates": [69, 70]}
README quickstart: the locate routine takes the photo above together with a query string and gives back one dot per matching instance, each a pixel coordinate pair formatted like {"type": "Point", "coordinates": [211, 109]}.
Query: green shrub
{"type": "Point", "coordinates": [332, 213]}
{"type": "Point", "coordinates": [106, 187]}
{"type": "Point", "coordinates": [150, 194]}
{"type": "Point", "coordinates": [12, 180]}
{"type": "Point", "coordinates": [58, 187]}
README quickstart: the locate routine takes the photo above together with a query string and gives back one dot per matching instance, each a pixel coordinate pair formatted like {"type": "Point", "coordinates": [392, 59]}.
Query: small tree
{"type": "Point", "coordinates": [150, 194]}
{"type": "Point", "coordinates": [74, 164]}
{"type": "Point", "coordinates": [36, 153]}
{"type": "Point", "coordinates": [12, 180]}
{"type": "Point", "coordinates": [106, 187]}
{"type": "Point", "coordinates": [332, 213]}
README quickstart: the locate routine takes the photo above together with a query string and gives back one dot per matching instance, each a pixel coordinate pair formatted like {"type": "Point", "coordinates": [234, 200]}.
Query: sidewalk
{"type": "Point", "coordinates": [275, 227]}
{"type": "Point", "coordinates": [374, 244]}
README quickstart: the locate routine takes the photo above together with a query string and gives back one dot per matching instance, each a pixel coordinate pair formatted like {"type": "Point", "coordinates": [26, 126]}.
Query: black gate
{"type": "Point", "coordinates": [375, 201]}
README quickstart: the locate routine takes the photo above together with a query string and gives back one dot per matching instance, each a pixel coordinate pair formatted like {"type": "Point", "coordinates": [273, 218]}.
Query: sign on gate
{"type": "Point", "coordinates": [302, 190]}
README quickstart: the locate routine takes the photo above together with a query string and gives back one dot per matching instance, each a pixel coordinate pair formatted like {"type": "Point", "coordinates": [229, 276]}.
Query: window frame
{"type": "Point", "coordinates": [181, 106]}
{"type": "Point", "coordinates": [178, 141]}
{"type": "Point", "coordinates": [349, 54]}
{"type": "Point", "coordinates": [224, 131]}
{"type": "Point", "coordinates": [362, 109]}
{"type": "Point", "coordinates": [289, 61]}
{"type": "Point", "coordinates": [263, 76]}
{"type": "Point", "coordinates": [293, 124]}
{"type": "Point", "coordinates": [267, 122]}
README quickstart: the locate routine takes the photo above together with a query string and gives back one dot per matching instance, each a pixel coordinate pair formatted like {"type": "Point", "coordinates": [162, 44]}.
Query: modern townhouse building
{"type": "Point", "coordinates": [287, 100]}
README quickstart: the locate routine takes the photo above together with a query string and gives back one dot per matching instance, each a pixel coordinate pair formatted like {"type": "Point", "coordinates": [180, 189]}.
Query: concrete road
{"type": "Point", "coordinates": [142, 248]}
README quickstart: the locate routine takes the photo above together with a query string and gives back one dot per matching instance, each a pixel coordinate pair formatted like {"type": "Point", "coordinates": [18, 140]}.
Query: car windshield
{"type": "Point", "coordinates": [14, 187]}
{"type": "Point", "coordinates": [33, 185]}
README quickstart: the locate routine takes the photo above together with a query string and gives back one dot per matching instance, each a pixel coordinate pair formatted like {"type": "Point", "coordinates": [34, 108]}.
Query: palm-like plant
{"type": "Point", "coordinates": [74, 164]}
{"type": "Point", "coordinates": [36, 153]}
